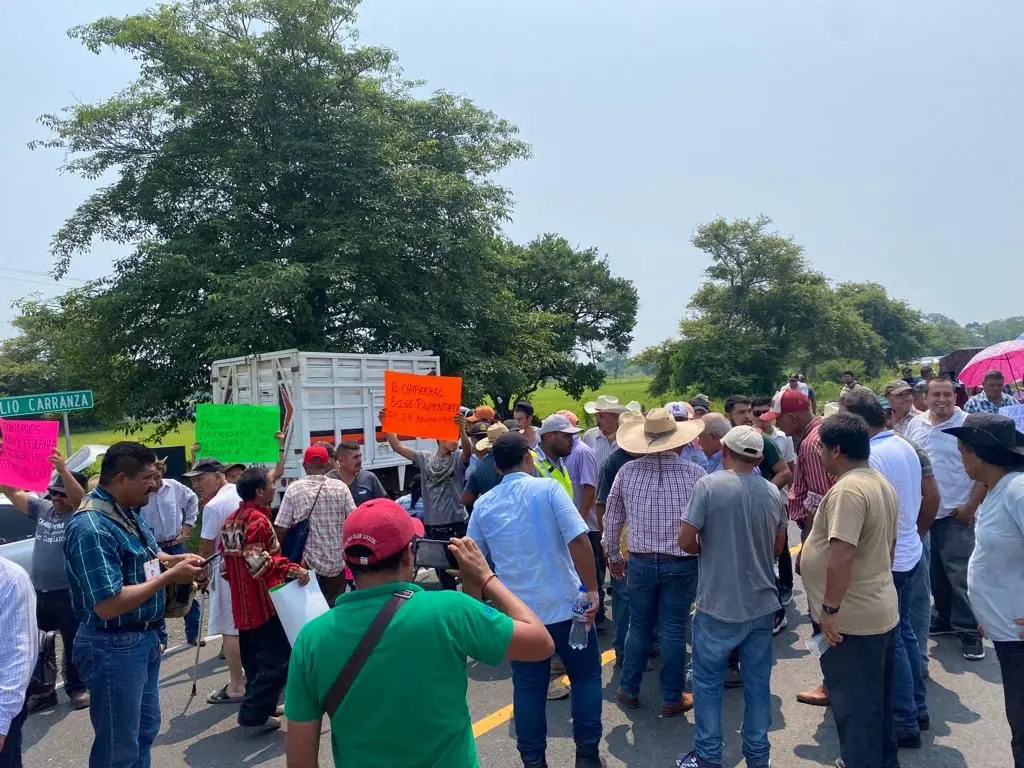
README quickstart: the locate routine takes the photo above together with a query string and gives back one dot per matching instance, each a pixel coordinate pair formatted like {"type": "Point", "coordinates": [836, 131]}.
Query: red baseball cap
{"type": "Point", "coordinates": [482, 413]}
{"type": "Point", "coordinates": [790, 401]}
{"type": "Point", "coordinates": [382, 526]}
{"type": "Point", "coordinates": [316, 454]}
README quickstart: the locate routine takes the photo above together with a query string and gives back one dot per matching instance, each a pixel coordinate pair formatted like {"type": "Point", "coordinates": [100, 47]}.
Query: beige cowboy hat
{"type": "Point", "coordinates": [634, 407]}
{"type": "Point", "coordinates": [658, 432]}
{"type": "Point", "coordinates": [604, 404]}
{"type": "Point", "coordinates": [493, 433]}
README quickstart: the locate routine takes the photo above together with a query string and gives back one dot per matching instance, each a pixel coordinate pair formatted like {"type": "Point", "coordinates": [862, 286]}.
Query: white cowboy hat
{"type": "Point", "coordinates": [634, 407]}
{"type": "Point", "coordinates": [658, 432]}
{"type": "Point", "coordinates": [604, 404]}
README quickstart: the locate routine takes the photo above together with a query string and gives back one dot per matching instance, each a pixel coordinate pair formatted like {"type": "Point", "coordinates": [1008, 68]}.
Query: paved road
{"type": "Point", "coordinates": [968, 724]}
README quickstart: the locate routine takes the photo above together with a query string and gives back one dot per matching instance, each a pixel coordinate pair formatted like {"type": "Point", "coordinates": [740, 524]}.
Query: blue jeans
{"type": "Point", "coordinates": [921, 599]}
{"type": "Point", "coordinates": [620, 615]}
{"type": "Point", "coordinates": [192, 617]}
{"type": "Point", "coordinates": [661, 591]}
{"type": "Point", "coordinates": [122, 673]}
{"type": "Point", "coordinates": [713, 641]}
{"type": "Point", "coordinates": [530, 681]}
{"type": "Point", "coordinates": [909, 700]}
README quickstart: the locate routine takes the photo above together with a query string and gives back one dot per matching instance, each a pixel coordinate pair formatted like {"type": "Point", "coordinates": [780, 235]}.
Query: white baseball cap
{"type": "Point", "coordinates": [744, 441]}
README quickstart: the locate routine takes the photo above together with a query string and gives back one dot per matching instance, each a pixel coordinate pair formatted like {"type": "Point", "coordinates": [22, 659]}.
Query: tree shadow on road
{"type": "Point", "coordinates": [947, 652]}
{"type": "Point", "coordinates": [944, 707]}
{"type": "Point", "coordinates": [235, 747]}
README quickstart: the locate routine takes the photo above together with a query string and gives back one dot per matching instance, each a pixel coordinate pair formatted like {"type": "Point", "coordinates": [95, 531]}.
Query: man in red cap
{"type": "Point", "coordinates": [791, 411]}
{"type": "Point", "coordinates": [424, 641]}
{"type": "Point", "coordinates": [325, 503]}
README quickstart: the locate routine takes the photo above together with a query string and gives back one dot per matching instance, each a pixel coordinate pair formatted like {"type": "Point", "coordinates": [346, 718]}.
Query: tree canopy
{"type": "Point", "coordinates": [282, 186]}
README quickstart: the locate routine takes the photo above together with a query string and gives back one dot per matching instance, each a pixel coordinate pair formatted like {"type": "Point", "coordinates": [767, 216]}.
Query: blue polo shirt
{"type": "Point", "coordinates": [102, 557]}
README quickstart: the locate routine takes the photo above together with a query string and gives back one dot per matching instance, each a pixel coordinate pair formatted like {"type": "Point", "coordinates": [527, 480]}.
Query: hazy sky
{"type": "Point", "coordinates": [885, 137]}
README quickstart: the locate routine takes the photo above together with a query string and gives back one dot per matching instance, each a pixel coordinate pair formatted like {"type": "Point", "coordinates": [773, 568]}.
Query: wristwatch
{"type": "Point", "coordinates": [829, 609]}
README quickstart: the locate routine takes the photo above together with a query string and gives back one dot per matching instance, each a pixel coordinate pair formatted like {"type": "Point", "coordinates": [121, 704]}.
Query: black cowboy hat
{"type": "Point", "coordinates": [989, 430]}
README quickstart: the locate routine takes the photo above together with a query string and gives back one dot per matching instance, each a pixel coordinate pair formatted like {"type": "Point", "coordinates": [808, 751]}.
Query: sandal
{"type": "Point", "coordinates": [221, 697]}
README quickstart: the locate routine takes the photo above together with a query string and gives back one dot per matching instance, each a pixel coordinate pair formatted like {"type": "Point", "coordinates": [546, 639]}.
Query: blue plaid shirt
{"type": "Point", "coordinates": [981, 404]}
{"type": "Point", "coordinates": [101, 558]}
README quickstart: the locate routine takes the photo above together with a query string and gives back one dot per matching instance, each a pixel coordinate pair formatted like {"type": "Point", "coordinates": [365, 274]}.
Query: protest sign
{"type": "Point", "coordinates": [422, 406]}
{"type": "Point", "coordinates": [1015, 412]}
{"type": "Point", "coordinates": [298, 605]}
{"type": "Point", "coordinates": [25, 454]}
{"type": "Point", "coordinates": [242, 434]}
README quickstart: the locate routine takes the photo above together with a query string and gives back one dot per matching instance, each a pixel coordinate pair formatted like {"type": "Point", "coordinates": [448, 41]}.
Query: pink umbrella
{"type": "Point", "coordinates": [1006, 357]}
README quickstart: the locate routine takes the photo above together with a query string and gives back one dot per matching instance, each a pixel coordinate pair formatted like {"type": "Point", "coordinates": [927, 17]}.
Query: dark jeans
{"type": "Point", "coordinates": [620, 615]}
{"type": "Point", "coordinates": [443, 533]}
{"type": "Point", "coordinates": [122, 672]}
{"type": "Point", "coordinates": [192, 617]}
{"type": "Point", "coordinates": [859, 675]}
{"type": "Point", "coordinates": [595, 544]}
{"type": "Point", "coordinates": [921, 600]}
{"type": "Point", "coordinates": [529, 694]}
{"type": "Point", "coordinates": [952, 545]}
{"type": "Point", "coordinates": [332, 586]}
{"type": "Point", "coordinates": [54, 614]}
{"type": "Point", "coordinates": [1011, 664]}
{"type": "Point", "coordinates": [786, 569]}
{"type": "Point", "coordinates": [265, 652]}
{"type": "Point", "coordinates": [661, 591]}
{"type": "Point", "coordinates": [10, 755]}
{"type": "Point", "coordinates": [909, 697]}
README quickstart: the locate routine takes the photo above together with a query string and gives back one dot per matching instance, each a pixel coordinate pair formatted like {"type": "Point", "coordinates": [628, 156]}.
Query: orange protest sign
{"type": "Point", "coordinates": [422, 406]}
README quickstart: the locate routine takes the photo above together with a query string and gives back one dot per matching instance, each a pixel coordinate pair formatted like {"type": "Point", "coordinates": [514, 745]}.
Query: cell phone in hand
{"type": "Point", "coordinates": [210, 559]}
{"type": "Point", "coordinates": [433, 553]}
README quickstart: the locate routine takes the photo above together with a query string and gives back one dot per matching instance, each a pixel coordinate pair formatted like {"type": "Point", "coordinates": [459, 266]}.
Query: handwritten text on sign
{"type": "Point", "coordinates": [1015, 412]}
{"type": "Point", "coordinates": [242, 434]}
{"type": "Point", "coordinates": [25, 454]}
{"type": "Point", "coordinates": [422, 406]}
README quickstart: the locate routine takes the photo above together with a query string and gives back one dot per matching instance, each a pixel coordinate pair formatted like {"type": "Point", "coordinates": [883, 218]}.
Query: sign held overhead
{"type": "Point", "coordinates": [422, 406]}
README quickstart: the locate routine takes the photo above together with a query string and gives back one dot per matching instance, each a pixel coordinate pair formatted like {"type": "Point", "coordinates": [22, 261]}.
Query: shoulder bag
{"type": "Point", "coordinates": [363, 650]}
{"type": "Point", "coordinates": [294, 545]}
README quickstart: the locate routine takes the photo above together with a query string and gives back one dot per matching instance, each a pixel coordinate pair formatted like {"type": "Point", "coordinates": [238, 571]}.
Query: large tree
{"type": "Point", "coordinates": [897, 325]}
{"type": "Point", "coordinates": [944, 334]}
{"type": "Point", "coordinates": [761, 309]}
{"type": "Point", "coordinates": [280, 186]}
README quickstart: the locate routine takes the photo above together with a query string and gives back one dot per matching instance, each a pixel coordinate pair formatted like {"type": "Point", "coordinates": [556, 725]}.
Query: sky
{"type": "Point", "coordinates": [883, 137]}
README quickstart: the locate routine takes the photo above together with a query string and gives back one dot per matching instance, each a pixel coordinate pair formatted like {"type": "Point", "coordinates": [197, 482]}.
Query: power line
{"type": "Point", "coordinates": [5, 268]}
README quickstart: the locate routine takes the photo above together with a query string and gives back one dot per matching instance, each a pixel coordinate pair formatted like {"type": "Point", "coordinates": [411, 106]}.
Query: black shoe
{"type": "Point", "coordinates": [785, 597]}
{"type": "Point", "coordinates": [588, 756]}
{"type": "Point", "coordinates": [38, 703]}
{"type": "Point", "coordinates": [908, 740]}
{"type": "Point", "coordinates": [733, 678]}
{"type": "Point", "coordinates": [542, 763]}
{"type": "Point", "coordinates": [195, 642]}
{"type": "Point", "coordinates": [924, 722]}
{"type": "Point", "coordinates": [972, 648]}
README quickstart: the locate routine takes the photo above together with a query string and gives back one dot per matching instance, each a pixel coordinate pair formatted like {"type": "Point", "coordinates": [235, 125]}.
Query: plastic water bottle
{"type": "Point", "coordinates": [579, 635]}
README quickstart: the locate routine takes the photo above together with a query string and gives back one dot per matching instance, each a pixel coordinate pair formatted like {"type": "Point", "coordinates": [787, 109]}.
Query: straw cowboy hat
{"type": "Point", "coordinates": [493, 433]}
{"type": "Point", "coordinates": [605, 404]}
{"type": "Point", "coordinates": [658, 432]}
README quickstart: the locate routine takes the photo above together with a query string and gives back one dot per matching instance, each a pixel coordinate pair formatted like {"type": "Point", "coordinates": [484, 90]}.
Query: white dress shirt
{"type": "Point", "coordinates": [19, 640]}
{"type": "Point", "coordinates": [954, 485]}
{"type": "Point", "coordinates": [600, 445]}
{"type": "Point", "coordinates": [169, 508]}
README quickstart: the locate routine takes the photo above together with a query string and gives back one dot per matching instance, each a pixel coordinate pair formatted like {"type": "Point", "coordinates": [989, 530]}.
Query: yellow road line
{"type": "Point", "coordinates": [488, 723]}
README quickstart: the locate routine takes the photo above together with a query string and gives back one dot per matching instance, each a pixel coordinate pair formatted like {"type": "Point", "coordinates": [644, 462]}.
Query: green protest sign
{"type": "Point", "coordinates": [242, 434]}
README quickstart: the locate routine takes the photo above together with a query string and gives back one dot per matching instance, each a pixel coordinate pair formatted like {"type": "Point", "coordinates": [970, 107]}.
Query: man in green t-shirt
{"type": "Point", "coordinates": [424, 648]}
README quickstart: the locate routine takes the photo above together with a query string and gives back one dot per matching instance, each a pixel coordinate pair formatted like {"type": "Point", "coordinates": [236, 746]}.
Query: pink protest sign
{"type": "Point", "coordinates": [25, 453]}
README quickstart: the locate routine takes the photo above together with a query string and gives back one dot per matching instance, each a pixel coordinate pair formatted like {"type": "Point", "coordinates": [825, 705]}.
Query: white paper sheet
{"type": "Point", "coordinates": [296, 605]}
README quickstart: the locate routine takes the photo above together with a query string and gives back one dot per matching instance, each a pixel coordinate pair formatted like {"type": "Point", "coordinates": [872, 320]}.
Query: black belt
{"type": "Point", "coordinates": [135, 626]}
{"type": "Point", "coordinates": [658, 556]}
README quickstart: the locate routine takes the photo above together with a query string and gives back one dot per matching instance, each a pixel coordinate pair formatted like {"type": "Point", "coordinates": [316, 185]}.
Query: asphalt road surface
{"type": "Point", "coordinates": [965, 698]}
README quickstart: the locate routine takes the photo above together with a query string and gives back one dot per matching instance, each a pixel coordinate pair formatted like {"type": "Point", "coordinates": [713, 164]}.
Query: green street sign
{"type": "Point", "coordinates": [53, 402]}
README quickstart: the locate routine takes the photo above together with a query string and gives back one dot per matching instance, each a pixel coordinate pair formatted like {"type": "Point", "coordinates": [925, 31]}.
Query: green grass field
{"type": "Point", "coordinates": [185, 435]}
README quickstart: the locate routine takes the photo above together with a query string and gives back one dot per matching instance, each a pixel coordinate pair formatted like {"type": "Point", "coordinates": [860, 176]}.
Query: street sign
{"type": "Point", "coordinates": [53, 402]}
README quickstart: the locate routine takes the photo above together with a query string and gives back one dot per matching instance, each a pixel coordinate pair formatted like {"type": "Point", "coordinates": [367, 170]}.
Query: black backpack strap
{"type": "Point", "coordinates": [363, 650]}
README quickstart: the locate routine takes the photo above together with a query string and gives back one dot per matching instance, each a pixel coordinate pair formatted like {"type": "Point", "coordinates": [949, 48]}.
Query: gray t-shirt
{"type": "Point", "coordinates": [738, 516]}
{"type": "Point", "coordinates": [366, 486]}
{"type": "Point", "coordinates": [48, 552]}
{"type": "Point", "coordinates": [441, 481]}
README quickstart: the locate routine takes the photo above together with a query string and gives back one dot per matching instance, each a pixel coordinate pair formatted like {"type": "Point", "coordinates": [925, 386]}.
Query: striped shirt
{"type": "Point", "coordinates": [981, 404]}
{"type": "Point", "coordinates": [810, 481]}
{"type": "Point", "coordinates": [649, 495]}
{"type": "Point", "coordinates": [19, 640]}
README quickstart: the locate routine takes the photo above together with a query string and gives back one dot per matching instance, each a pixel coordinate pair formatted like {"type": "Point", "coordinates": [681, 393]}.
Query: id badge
{"type": "Point", "coordinates": [151, 569]}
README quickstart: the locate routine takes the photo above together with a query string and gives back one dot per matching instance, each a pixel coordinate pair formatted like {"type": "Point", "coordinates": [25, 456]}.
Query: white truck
{"type": "Point", "coordinates": [325, 397]}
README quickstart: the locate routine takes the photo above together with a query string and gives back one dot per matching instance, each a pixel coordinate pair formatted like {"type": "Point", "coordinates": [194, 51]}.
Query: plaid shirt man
{"type": "Point", "coordinates": [334, 504]}
{"type": "Point", "coordinates": [981, 404]}
{"type": "Point", "coordinates": [810, 481]}
{"type": "Point", "coordinates": [649, 495]}
{"type": "Point", "coordinates": [102, 557]}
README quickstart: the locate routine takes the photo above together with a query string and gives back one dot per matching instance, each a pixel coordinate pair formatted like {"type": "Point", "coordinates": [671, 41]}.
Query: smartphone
{"type": "Point", "coordinates": [433, 553]}
{"type": "Point", "coordinates": [210, 559]}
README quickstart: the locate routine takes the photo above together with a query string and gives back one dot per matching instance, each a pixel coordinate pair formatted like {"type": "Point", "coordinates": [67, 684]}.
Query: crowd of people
{"type": "Point", "coordinates": [909, 508]}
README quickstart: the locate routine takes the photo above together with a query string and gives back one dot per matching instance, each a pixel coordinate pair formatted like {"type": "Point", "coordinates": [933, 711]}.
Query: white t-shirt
{"type": "Point", "coordinates": [217, 510]}
{"type": "Point", "coordinates": [784, 443]}
{"type": "Point", "coordinates": [896, 460]}
{"type": "Point", "coordinates": [995, 574]}
{"type": "Point", "coordinates": [951, 477]}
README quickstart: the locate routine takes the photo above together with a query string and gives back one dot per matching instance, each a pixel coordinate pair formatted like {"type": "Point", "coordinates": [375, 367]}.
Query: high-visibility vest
{"type": "Point", "coordinates": [547, 468]}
